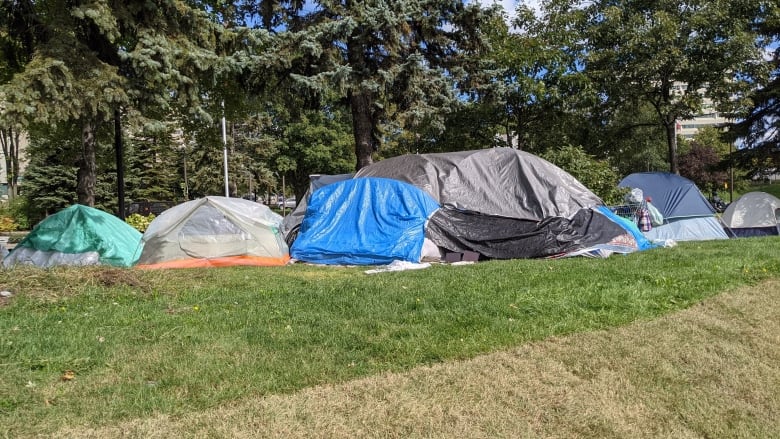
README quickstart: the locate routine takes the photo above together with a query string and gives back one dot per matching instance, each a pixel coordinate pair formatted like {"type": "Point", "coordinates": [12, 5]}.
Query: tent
{"type": "Point", "coordinates": [688, 216]}
{"type": "Point", "coordinates": [753, 214]}
{"type": "Point", "coordinates": [366, 221]}
{"type": "Point", "coordinates": [503, 182]}
{"type": "Point", "coordinates": [505, 203]}
{"type": "Point", "coordinates": [292, 221]}
{"type": "Point", "coordinates": [77, 235]}
{"type": "Point", "coordinates": [214, 232]}
{"type": "Point", "coordinates": [501, 203]}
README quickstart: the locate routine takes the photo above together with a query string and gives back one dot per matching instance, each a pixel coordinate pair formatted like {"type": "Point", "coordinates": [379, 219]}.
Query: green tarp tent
{"type": "Point", "coordinates": [78, 235]}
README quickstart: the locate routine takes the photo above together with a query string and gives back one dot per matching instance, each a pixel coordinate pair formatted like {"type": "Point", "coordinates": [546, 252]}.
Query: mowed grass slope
{"type": "Point", "coordinates": [708, 371]}
{"type": "Point", "coordinates": [94, 348]}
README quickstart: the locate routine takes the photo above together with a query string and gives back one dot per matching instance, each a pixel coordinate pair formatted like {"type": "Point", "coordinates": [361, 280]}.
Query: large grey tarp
{"type": "Point", "coordinates": [502, 182]}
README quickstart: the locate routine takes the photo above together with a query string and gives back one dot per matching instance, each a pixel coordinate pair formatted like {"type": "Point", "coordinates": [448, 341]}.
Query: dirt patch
{"type": "Point", "coordinates": [58, 282]}
{"type": "Point", "coordinates": [710, 371]}
{"type": "Point", "coordinates": [120, 277]}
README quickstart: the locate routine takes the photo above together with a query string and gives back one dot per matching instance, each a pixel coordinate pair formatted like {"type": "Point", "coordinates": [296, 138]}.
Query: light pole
{"type": "Point", "coordinates": [731, 175]}
{"type": "Point", "coordinates": [186, 183]}
{"type": "Point", "coordinates": [224, 151]}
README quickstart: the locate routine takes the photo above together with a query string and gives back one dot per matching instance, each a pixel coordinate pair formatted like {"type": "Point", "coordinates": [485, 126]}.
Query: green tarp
{"type": "Point", "coordinates": [78, 235]}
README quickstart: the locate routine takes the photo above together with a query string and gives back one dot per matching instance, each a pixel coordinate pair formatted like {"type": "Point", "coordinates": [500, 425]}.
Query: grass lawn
{"type": "Point", "coordinates": [96, 347]}
{"type": "Point", "coordinates": [770, 188]}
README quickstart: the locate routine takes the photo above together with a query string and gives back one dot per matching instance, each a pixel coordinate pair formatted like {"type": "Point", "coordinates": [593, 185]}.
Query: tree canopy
{"type": "Point", "coordinates": [78, 62]}
{"type": "Point", "coordinates": [395, 64]}
{"type": "Point", "coordinates": [672, 55]}
{"type": "Point", "coordinates": [308, 86]}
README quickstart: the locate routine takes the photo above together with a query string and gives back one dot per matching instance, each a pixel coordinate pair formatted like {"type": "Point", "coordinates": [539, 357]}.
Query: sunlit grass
{"type": "Point", "coordinates": [143, 342]}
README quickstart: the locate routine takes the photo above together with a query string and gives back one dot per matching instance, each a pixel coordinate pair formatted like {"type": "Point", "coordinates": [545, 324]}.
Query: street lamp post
{"type": "Point", "coordinates": [731, 175]}
{"type": "Point", "coordinates": [224, 151]}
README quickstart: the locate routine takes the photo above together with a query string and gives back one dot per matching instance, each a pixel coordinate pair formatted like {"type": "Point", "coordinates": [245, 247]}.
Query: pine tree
{"type": "Point", "coordinates": [759, 127]}
{"type": "Point", "coordinates": [81, 61]}
{"type": "Point", "coordinates": [399, 61]}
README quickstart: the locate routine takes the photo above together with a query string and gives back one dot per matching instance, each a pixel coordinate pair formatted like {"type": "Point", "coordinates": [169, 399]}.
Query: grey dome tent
{"type": "Point", "coordinates": [753, 214]}
{"type": "Point", "coordinates": [214, 232]}
{"type": "Point", "coordinates": [688, 216]}
{"type": "Point", "coordinates": [77, 235]}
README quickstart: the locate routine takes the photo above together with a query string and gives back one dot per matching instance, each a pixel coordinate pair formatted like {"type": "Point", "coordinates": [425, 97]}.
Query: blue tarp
{"type": "Point", "coordinates": [365, 221]}
{"type": "Point", "coordinates": [641, 241]}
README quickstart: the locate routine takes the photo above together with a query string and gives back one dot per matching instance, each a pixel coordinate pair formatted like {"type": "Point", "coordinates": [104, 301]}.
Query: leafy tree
{"type": "Point", "coordinates": [10, 141]}
{"type": "Point", "coordinates": [701, 165]}
{"type": "Point", "coordinates": [85, 60]}
{"type": "Point", "coordinates": [631, 139]}
{"type": "Point", "coordinates": [597, 175]}
{"type": "Point", "coordinates": [672, 55]}
{"type": "Point", "coordinates": [471, 125]}
{"type": "Point", "coordinates": [537, 85]}
{"type": "Point", "coordinates": [15, 52]}
{"type": "Point", "coordinates": [318, 143]}
{"type": "Point", "coordinates": [391, 61]}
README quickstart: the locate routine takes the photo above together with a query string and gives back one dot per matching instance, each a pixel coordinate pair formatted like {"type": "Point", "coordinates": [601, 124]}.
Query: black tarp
{"type": "Point", "coordinates": [508, 238]}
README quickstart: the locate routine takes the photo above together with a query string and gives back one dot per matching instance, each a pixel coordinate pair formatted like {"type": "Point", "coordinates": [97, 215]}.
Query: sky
{"type": "Point", "coordinates": [510, 5]}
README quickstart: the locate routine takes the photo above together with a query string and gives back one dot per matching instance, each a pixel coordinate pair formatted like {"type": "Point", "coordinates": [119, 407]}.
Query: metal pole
{"type": "Point", "coordinates": [284, 196]}
{"type": "Point", "coordinates": [120, 167]}
{"type": "Point", "coordinates": [225, 152]}
{"type": "Point", "coordinates": [186, 183]}
{"type": "Point", "coordinates": [731, 176]}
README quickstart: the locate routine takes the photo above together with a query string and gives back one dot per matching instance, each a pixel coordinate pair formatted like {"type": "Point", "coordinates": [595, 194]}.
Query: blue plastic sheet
{"type": "Point", "coordinates": [642, 242]}
{"type": "Point", "coordinates": [365, 221]}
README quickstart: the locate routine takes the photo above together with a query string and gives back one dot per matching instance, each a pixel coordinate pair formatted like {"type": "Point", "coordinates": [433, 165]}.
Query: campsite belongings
{"type": "Point", "coordinates": [753, 214]}
{"type": "Point", "coordinates": [77, 235]}
{"type": "Point", "coordinates": [688, 216]}
{"type": "Point", "coordinates": [500, 203]}
{"type": "Point", "coordinates": [640, 210]}
{"type": "Point", "coordinates": [214, 232]}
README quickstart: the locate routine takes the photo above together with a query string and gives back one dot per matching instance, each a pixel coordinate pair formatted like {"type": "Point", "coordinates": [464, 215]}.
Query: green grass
{"type": "Point", "coordinates": [770, 188]}
{"type": "Point", "coordinates": [174, 342]}
{"type": "Point", "coordinates": [773, 189]}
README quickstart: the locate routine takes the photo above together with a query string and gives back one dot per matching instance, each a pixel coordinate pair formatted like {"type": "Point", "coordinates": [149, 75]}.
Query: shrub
{"type": "Point", "coordinates": [7, 224]}
{"type": "Point", "coordinates": [139, 222]}
{"type": "Point", "coordinates": [14, 215]}
{"type": "Point", "coordinates": [597, 175]}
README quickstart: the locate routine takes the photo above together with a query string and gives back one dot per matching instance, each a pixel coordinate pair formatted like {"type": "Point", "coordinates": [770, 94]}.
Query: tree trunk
{"type": "Point", "coordinates": [671, 141]}
{"type": "Point", "coordinates": [87, 175]}
{"type": "Point", "coordinates": [10, 140]}
{"type": "Point", "coordinates": [362, 127]}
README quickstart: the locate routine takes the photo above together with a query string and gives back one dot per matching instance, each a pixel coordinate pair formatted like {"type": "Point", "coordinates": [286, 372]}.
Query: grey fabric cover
{"type": "Point", "coordinates": [501, 182]}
